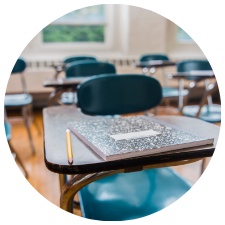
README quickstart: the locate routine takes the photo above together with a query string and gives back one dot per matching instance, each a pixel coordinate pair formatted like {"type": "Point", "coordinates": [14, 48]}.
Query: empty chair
{"type": "Point", "coordinates": [78, 58]}
{"type": "Point", "coordinates": [149, 57]}
{"type": "Point", "coordinates": [88, 68]}
{"type": "Point", "coordinates": [209, 112]}
{"type": "Point", "coordinates": [60, 68]}
{"type": "Point", "coordinates": [192, 65]}
{"type": "Point", "coordinates": [126, 196]}
{"type": "Point", "coordinates": [85, 68]}
{"type": "Point", "coordinates": [22, 100]}
{"type": "Point", "coordinates": [8, 134]}
{"type": "Point", "coordinates": [168, 92]}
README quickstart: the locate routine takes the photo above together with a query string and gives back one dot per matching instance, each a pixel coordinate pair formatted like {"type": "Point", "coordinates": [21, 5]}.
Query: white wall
{"type": "Point", "coordinates": [132, 31]}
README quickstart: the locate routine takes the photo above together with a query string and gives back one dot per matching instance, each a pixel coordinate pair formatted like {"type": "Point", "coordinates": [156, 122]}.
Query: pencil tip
{"type": "Point", "coordinates": [70, 160]}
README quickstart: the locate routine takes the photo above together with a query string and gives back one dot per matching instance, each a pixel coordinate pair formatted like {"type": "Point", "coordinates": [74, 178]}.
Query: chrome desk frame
{"type": "Point", "coordinates": [210, 88]}
{"type": "Point", "coordinates": [76, 183]}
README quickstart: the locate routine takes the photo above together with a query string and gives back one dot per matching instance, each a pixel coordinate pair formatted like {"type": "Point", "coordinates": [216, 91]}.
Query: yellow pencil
{"type": "Point", "coordinates": [69, 147]}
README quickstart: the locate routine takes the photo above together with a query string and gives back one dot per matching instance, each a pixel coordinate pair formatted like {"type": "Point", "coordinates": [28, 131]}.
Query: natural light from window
{"type": "Point", "coordinates": [82, 25]}
{"type": "Point", "coordinates": [182, 36]}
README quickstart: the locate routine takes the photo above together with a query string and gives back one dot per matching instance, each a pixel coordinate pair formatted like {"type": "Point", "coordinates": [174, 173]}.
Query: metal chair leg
{"type": "Point", "coordinates": [18, 159]}
{"type": "Point", "coordinates": [25, 117]}
{"type": "Point", "coordinates": [30, 108]}
{"type": "Point", "coordinates": [204, 165]}
{"type": "Point", "coordinates": [76, 183]}
{"type": "Point", "coordinates": [155, 111]}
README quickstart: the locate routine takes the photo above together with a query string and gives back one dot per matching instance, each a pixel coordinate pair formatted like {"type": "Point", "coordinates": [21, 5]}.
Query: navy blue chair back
{"type": "Point", "coordinates": [149, 57]}
{"type": "Point", "coordinates": [88, 68]}
{"type": "Point", "coordinates": [77, 58]}
{"type": "Point", "coordinates": [189, 65]}
{"type": "Point", "coordinates": [118, 94]}
{"type": "Point", "coordinates": [19, 66]}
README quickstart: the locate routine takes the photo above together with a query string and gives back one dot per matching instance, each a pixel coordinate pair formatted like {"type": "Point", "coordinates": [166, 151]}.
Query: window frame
{"type": "Point", "coordinates": [106, 45]}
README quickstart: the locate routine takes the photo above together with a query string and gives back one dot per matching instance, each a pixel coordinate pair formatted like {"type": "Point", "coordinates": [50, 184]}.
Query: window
{"type": "Point", "coordinates": [83, 25]}
{"type": "Point", "coordinates": [182, 36]}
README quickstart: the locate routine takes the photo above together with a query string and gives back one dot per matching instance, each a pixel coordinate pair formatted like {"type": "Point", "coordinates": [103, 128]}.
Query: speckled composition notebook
{"type": "Point", "coordinates": [126, 137]}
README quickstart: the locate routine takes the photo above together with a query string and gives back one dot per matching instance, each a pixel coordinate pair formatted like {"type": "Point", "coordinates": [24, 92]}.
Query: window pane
{"type": "Point", "coordinates": [70, 33]}
{"type": "Point", "coordinates": [82, 25]}
{"type": "Point", "coordinates": [183, 36]}
{"type": "Point", "coordinates": [91, 14]}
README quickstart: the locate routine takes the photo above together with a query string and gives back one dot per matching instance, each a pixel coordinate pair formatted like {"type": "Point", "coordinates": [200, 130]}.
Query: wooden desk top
{"type": "Point", "coordinates": [154, 63]}
{"type": "Point", "coordinates": [64, 82]}
{"type": "Point", "coordinates": [86, 161]}
{"type": "Point", "coordinates": [185, 75]}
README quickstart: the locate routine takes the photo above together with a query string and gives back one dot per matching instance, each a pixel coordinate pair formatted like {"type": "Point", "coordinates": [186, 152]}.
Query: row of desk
{"type": "Point", "coordinates": [62, 85]}
{"type": "Point", "coordinates": [87, 166]}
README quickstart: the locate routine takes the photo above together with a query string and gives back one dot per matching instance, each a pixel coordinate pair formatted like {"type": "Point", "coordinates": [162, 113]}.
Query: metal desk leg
{"type": "Point", "coordinates": [165, 79]}
{"type": "Point", "coordinates": [209, 98]}
{"type": "Point", "coordinates": [25, 117]}
{"type": "Point", "coordinates": [77, 183]}
{"type": "Point", "coordinates": [181, 88]}
{"type": "Point", "coordinates": [54, 95]}
{"type": "Point", "coordinates": [62, 181]}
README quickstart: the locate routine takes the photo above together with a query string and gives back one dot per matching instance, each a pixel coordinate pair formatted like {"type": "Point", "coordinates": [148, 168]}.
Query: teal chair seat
{"type": "Point", "coordinates": [209, 113]}
{"type": "Point", "coordinates": [18, 99]}
{"type": "Point", "coordinates": [68, 98]}
{"type": "Point", "coordinates": [8, 131]}
{"type": "Point", "coordinates": [169, 92]}
{"type": "Point", "coordinates": [129, 196]}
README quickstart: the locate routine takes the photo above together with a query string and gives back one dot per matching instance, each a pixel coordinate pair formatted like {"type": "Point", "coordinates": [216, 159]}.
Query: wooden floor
{"type": "Point", "coordinates": [46, 182]}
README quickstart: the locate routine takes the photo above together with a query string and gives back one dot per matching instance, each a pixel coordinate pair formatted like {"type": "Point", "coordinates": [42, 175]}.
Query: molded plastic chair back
{"type": "Point", "coordinates": [88, 68]}
{"type": "Point", "coordinates": [149, 57]}
{"type": "Point", "coordinates": [118, 94]}
{"type": "Point", "coordinates": [19, 66]}
{"type": "Point", "coordinates": [190, 65]}
{"type": "Point", "coordinates": [78, 58]}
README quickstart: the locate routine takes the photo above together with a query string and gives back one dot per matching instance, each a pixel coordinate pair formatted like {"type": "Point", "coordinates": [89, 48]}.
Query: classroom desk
{"type": "Point", "coordinates": [88, 167]}
{"type": "Point", "coordinates": [192, 76]}
{"type": "Point", "coordinates": [152, 65]}
{"type": "Point", "coordinates": [62, 85]}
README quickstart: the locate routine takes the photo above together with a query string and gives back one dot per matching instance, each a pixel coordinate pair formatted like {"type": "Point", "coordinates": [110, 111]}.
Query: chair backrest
{"type": "Point", "coordinates": [89, 68]}
{"type": "Point", "coordinates": [149, 57]}
{"type": "Point", "coordinates": [118, 94]}
{"type": "Point", "coordinates": [77, 58]}
{"type": "Point", "coordinates": [19, 66]}
{"type": "Point", "coordinates": [189, 65]}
